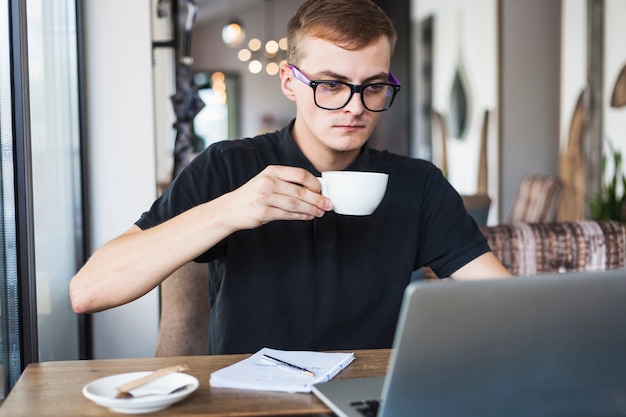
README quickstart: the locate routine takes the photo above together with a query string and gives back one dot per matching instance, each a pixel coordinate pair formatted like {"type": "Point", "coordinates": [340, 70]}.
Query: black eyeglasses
{"type": "Point", "coordinates": [334, 95]}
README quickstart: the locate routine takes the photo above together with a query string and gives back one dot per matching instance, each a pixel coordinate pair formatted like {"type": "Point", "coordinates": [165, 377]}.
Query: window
{"type": "Point", "coordinates": [42, 230]}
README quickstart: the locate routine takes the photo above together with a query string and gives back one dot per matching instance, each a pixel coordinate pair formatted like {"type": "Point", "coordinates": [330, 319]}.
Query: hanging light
{"type": "Point", "coordinates": [271, 68]}
{"type": "Point", "coordinates": [271, 48]}
{"type": "Point", "coordinates": [233, 34]}
{"type": "Point", "coordinates": [272, 52]}
{"type": "Point", "coordinates": [244, 55]}
{"type": "Point", "coordinates": [282, 44]}
{"type": "Point", "coordinates": [254, 44]}
{"type": "Point", "coordinates": [218, 82]}
{"type": "Point", "coordinates": [255, 66]}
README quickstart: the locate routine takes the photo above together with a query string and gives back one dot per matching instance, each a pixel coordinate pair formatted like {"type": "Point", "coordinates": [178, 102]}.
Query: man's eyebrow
{"type": "Point", "coordinates": [382, 77]}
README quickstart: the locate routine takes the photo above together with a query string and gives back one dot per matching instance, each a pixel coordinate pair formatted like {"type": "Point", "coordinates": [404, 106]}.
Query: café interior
{"type": "Point", "coordinates": [517, 102]}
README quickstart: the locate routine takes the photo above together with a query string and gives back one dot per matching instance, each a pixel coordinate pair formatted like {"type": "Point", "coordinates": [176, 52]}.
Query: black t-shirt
{"type": "Point", "coordinates": [335, 282]}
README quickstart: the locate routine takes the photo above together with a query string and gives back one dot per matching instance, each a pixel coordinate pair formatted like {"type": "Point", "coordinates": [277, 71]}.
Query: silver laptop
{"type": "Point", "coordinates": [550, 345]}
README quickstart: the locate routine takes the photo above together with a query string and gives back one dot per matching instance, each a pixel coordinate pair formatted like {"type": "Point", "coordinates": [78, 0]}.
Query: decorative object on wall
{"type": "Point", "coordinates": [581, 163]}
{"type": "Point", "coordinates": [459, 103]}
{"type": "Point", "coordinates": [423, 91]}
{"type": "Point", "coordinates": [459, 116]}
{"type": "Point", "coordinates": [272, 52]}
{"type": "Point", "coordinates": [619, 90]}
{"type": "Point", "coordinates": [186, 101]}
{"type": "Point", "coordinates": [483, 172]}
{"type": "Point", "coordinates": [594, 97]}
{"type": "Point", "coordinates": [572, 166]}
{"type": "Point", "coordinates": [439, 156]}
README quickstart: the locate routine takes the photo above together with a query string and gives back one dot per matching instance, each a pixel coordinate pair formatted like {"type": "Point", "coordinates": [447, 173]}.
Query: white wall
{"type": "Point", "coordinates": [614, 61]}
{"type": "Point", "coordinates": [121, 153]}
{"type": "Point", "coordinates": [573, 62]}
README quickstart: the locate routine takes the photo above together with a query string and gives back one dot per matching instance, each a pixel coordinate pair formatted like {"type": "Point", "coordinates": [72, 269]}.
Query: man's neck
{"type": "Point", "coordinates": [328, 160]}
{"type": "Point", "coordinates": [324, 158]}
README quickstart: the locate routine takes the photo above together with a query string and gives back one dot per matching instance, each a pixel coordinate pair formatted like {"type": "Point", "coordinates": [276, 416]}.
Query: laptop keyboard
{"type": "Point", "coordinates": [367, 408]}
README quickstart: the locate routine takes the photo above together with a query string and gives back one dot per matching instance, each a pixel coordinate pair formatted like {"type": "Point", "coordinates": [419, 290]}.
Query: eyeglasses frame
{"type": "Point", "coordinates": [354, 88]}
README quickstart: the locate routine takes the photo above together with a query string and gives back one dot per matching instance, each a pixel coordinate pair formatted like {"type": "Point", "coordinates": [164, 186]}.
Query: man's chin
{"type": "Point", "coordinates": [348, 148]}
{"type": "Point", "coordinates": [348, 144]}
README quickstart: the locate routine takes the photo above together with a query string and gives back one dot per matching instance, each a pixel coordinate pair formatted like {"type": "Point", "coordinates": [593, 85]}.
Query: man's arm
{"type": "Point", "coordinates": [134, 263]}
{"type": "Point", "coordinates": [483, 267]}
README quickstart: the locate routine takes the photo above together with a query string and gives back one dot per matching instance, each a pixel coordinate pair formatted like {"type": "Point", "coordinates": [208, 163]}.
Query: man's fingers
{"type": "Point", "coordinates": [301, 184]}
{"type": "Point", "coordinates": [300, 195]}
{"type": "Point", "coordinates": [296, 176]}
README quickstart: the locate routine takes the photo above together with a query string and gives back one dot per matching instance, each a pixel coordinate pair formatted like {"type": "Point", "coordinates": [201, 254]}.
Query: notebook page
{"type": "Point", "coordinates": [259, 373]}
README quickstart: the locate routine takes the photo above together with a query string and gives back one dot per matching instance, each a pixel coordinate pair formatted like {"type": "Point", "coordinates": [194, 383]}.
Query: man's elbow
{"type": "Point", "coordinates": [79, 299]}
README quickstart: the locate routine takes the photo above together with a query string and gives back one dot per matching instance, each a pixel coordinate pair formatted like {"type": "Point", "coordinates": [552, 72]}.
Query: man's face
{"type": "Point", "coordinates": [331, 139]}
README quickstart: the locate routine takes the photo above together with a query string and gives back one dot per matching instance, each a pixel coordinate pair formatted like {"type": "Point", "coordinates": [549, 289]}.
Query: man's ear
{"type": "Point", "coordinates": [286, 81]}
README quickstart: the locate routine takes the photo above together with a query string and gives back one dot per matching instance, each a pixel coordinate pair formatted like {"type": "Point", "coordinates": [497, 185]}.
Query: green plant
{"type": "Point", "coordinates": [608, 204]}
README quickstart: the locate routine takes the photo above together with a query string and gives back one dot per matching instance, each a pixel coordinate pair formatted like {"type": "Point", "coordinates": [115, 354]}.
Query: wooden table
{"type": "Point", "coordinates": [54, 388]}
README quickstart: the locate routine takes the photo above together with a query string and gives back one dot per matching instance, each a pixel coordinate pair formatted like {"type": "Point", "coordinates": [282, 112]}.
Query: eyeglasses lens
{"type": "Point", "coordinates": [335, 95]}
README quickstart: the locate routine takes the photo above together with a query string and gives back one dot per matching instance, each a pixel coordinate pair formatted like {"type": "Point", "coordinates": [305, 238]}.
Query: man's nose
{"type": "Point", "coordinates": [355, 104]}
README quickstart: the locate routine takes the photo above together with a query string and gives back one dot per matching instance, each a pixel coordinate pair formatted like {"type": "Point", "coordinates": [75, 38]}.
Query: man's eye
{"type": "Point", "coordinates": [376, 87]}
{"type": "Point", "coordinates": [332, 85]}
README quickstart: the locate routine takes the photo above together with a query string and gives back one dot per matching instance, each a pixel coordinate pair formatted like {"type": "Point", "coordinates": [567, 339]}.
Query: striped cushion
{"type": "Point", "coordinates": [533, 248]}
{"type": "Point", "coordinates": [537, 199]}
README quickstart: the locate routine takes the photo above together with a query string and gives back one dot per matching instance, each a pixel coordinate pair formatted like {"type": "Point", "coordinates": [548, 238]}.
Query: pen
{"type": "Point", "coordinates": [288, 365]}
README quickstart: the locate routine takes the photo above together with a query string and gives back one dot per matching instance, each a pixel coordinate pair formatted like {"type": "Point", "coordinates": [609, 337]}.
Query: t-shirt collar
{"type": "Point", "coordinates": [295, 157]}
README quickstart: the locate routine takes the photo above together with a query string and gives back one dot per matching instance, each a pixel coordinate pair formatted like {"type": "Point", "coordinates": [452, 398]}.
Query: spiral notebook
{"type": "Point", "coordinates": [282, 370]}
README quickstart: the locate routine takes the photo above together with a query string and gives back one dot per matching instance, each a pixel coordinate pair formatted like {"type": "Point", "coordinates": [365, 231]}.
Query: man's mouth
{"type": "Point", "coordinates": [350, 126]}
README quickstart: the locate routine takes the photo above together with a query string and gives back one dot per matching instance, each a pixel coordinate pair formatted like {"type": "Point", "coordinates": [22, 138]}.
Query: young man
{"type": "Point", "coordinates": [284, 270]}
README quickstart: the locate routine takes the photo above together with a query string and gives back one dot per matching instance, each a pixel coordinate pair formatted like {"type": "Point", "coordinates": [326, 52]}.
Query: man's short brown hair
{"type": "Point", "coordinates": [351, 24]}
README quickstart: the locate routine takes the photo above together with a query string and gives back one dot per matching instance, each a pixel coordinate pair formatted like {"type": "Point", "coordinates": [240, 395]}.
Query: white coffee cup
{"type": "Point", "coordinates": [354, 193]}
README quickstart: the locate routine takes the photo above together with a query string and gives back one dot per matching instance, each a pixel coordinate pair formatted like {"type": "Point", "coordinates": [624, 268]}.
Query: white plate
{"type": "Point", "coordinates": [102, 392]}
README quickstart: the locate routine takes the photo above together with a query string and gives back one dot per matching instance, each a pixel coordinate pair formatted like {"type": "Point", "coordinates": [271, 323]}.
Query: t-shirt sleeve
{"type": "Point", "coordinates": [190, 188]}
{"type": "Point", "coordinates": [194, 185]}
{"type": "Point", "coordinates": [450, 238]}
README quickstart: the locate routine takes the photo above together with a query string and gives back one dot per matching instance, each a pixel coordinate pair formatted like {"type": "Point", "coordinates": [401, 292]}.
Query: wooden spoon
{"type": "Point", "coordinates": [128, 395]}
{"type": "Point", "coordinates": [123, 391]}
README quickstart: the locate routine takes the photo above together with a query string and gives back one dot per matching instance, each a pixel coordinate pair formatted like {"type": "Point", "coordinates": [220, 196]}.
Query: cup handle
{"type": "Point", "coordinates": [324, 191]}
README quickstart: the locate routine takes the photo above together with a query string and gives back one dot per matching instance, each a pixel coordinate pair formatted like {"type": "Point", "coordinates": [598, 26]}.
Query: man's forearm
{"type": "Point", "coordinates": [134, 263]}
